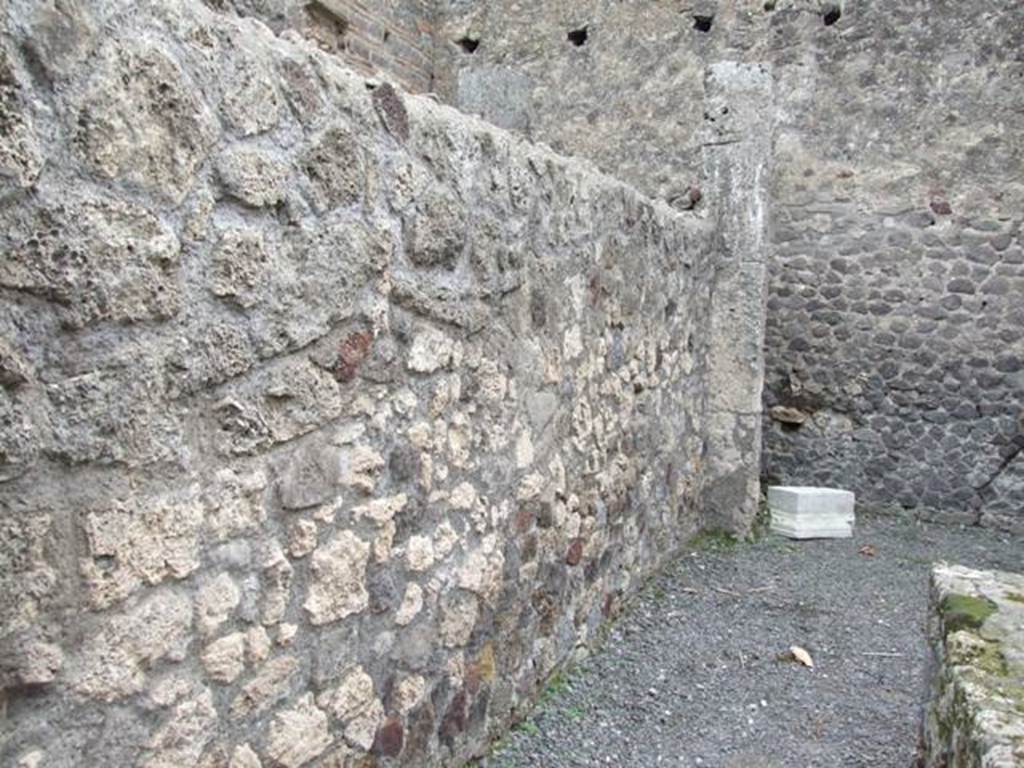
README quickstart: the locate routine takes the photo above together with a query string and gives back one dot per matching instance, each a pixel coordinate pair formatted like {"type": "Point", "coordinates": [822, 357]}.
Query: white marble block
{"type": "Point", "coordinates": [811, 513]}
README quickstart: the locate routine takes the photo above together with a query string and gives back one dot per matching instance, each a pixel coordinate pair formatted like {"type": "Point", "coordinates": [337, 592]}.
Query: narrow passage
{"type": "Point", "coordinates": [696, 673]}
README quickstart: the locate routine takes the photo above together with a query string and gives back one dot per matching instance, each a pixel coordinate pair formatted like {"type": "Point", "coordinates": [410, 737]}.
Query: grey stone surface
{"type": "Point", "coordinates": [894, 202]}
{"type": "Point", "coordinates": [332, 420]}
{"type": "Point", "coordinates": [737, 163]}
{"type": "Point", "coordinates": [975, 712]}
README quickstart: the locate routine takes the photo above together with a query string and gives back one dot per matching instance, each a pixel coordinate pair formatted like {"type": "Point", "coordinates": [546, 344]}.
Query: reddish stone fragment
{"type": "Point", "coordinates": [390, 736]}
{"type": "Point", "coordinates": [575, 553]}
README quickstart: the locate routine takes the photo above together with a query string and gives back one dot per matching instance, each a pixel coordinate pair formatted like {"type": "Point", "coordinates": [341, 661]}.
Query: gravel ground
{"type": "Point", "coordinates": [693, 673]}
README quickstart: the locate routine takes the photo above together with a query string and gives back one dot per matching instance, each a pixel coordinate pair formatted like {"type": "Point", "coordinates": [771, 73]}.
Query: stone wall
{"type": "Point", "coordinates": [331, 420]}
{"type": "Point", "coordinates": [895, 342]}
{"type": "Point", "coordinates": [974, 714]}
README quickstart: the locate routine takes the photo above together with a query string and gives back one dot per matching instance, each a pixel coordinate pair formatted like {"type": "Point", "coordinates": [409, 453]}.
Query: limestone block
{"type": "Point", "coordinates": [271, 683]}
{"type": "Point", "coordinates": [113, 662]}
{"type": "Point", "coordinates": [21, 158]}
{"type": "Point", "coordinates": [97, 258]}
{"type": "Point", "coordinates": [810, 526]}
{"type": "Point", "coordinates": [437, 231]}
{"type": "Point", "coordinates": [253, 176]}
{"type": "Point", "coordinates": [411, 605]}
{"type": "Point", "coordinates": [311, 476]}
{"type": "Point", "coordinates": [224, 658]}
{"type": "Point", "coordinates": [240, 267]}
{"type": "Point", "coordinates": [217, 600]}
{"type": "Point", "coordinates": [459, 611]}
{"type": "Point", "coordinates": [338, 586]}
{"type": "Point", "coordinates": [252, 101]}
{"type": "Point", "coordinates": [183, 737]}
{"type": "Point", "coordinates": [336, 168]}
{"type": "Point", "coordinates": [243, 756]}
{"type": "Point", "coordinates": [801, 500]}
{"type": "Point", "coordinates": [275, 407]}
{"type": "Point", "coordinates": [974, 717]}
{"type": "Point", "coordinates": [431, 350]}
{"type": "Point", "coordinates": [141, 121]}
{"type": "Point", "coordinates": [298, 735]}
{"type": "Point", "coordinates": [140, 541]}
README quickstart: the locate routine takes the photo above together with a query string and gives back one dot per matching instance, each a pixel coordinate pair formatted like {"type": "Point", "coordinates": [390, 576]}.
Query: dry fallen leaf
{"type": "Point", "coordinates": [868, 550]}
{"type": "Point", "coordinates": [802, 656]}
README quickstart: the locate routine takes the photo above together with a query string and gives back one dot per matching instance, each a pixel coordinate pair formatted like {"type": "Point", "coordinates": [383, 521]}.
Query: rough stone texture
{"type": "Point", "coordinates": [330, 422]}
{"type": "Point", "coordinates": [975, 713]}
{"type": "Point", "coordinates": [736, 169]}
{"type": "Point", "coordinates": [894, 342]}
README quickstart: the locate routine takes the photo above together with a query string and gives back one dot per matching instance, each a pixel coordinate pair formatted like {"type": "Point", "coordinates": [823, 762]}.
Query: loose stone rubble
{"type": "Point", "coordinates": [332, 421]}
{"type": "Point", "coordinates": [975, 714]}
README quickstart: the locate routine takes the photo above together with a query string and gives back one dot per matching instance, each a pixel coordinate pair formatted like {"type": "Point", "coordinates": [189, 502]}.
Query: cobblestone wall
{"type": "Point", "coordinates": [331, 420]}
{"type": "Point", "coordinates": [894, 331]}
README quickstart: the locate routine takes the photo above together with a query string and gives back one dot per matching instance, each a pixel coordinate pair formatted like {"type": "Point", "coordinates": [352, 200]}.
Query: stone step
{"type": "Point", "coordinates": [811, 526]}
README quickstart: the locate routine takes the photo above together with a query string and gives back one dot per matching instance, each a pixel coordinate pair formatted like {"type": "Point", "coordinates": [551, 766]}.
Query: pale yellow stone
{"type": "Point", "coordinates": [492, 383]}
{"type": "Point", "coordinates": [147, 541]}
{"type": "Point", "coordinates": [360, 466]}
{"type": "Point", "coordinates": [431, 349]}
{"type": "Point", "coordinates": [572, 342]}
{"type": "Point", "coordinates": [271, 683]}
{"type": "Point", "coordinates": [243, 756]}
{"type": "Point", "coordinates": [286, 634]}
{"type": "Point", "coordinates": [381, 511]}
{"type": "Point", "coordinates": [113, 662]}
{"type": "Point", "coordinates": [531, 486]}
{"type": "Point", "coordinates": [524, 450]}
{"type": "Point", "coordinates": [234, 503]}
{"type": "Point", "coordinates": [383, 543]}
{"type": "Point", "coordinates": [459, 445]}
{"type": "Point", "coordinates": [32, 759]}
{"type": "Point", "coordinates": [419, 553]}
{"type": "Point", "coordinates": [458, 617]}
{"type": "Point", "coordinates": [482, 572]}
{"type": "Point", "coordinates": [362, 728]}
{"type": "Point", "coordinates": [463, 497]}
{"type": "Point", "coordinates": [445, 540]}
{"type": "Point", "coordinates": [182, 738]}
{"type": "Point", "coordinates": [354, 694]}
{"type": "Point", "coordinates": [301, 538]}
{"type": "Point", "coordinates": [412, 604]}
{"type": "Point", "coordinates": [224, 658]}
{"type": "Point", "coordinates": [298, 735]}
{"type": "Point", "coordinates": [277, 583]}
{"type": "Point", "coordinates": [216, 602]}
{"type": "Point", "coordinates": [257, 644]}
{"type": "Point", "coordinates": [419, 435]}
{"type": "Point", "coordinates": [409, 693]}
{"type": "Point", "coordinates": [338, 586]}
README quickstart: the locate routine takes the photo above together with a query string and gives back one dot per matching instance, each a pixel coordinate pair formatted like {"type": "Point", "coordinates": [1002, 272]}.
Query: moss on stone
{"type": "Point", "coordinates": [1015, 597]}
{"type": "Point", "coordinates": [965, 612]}
{"type": "Point", "coordinates": [1015, 693]}
{"type": "Point", "coordinates": [713, 541]}
{"type": "Point", "coordinates": [992, 661]}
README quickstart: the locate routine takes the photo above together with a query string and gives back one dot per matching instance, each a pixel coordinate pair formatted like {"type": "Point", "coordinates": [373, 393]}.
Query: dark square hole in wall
{"type": "Point", "coordinates": [468, 44]}
{"type": "Point", "coordinates": [831, 15]}
{"type": "Point", "coordinates": [578, 36]}
{"type": "Point", "coordinates": [702, 23]}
